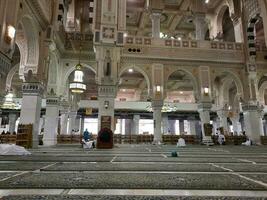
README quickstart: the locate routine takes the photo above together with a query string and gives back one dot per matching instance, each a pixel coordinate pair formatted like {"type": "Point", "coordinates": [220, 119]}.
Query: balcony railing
{"type": "Point", "coordinates": [147, 41]}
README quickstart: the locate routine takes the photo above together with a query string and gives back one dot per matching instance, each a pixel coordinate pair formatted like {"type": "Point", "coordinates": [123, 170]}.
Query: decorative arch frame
{"type": "Point", "coordinates": [219, 17]}
{"type": "Point", "coordinates": [27, 40]}
{"type": "Point", "coordinates": [251, 35]}
{"type": "Point", "coordinates": [225, 86]}
{"type": "Point", "coordinates": [10, 76]}
{"type": "Point", "coordinates": [196, 87]}
{"type": "Point", "coordinates": [261, 92]}
{"type": "Point", "coordinates": [263, 6]}
{"type": "Point", "coordinates": [69, 71]}
{"type": "Point", "coordinates": [140, 70]}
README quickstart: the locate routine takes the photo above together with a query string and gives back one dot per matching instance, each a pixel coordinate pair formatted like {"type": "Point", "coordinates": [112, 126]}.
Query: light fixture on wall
{"type": "Point", "coordinates": [130, 70]}
{"type": "Point", "coordinates": [106, 104]}
{"type": "Point", "coordinates": [10, 33]}
{"type": "Point", "coordinates": [206, 91]}
{"type": "Point", "coordinates": [158, 88]}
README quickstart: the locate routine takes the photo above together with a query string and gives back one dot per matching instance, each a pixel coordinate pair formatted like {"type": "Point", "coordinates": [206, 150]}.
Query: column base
{"type": "Point", "coordinates": [207, 141]}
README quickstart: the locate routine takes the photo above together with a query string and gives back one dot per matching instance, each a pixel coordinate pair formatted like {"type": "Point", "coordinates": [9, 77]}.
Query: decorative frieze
{"type": "Point", "coordinates": [32, 88]}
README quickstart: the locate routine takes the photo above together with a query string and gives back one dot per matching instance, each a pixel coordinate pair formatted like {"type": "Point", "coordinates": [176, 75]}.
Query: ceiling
{"type": "Point", "coordinates": [175, 19]}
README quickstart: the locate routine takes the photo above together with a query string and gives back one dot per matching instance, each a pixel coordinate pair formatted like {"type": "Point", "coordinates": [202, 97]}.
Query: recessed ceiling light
{"type": "Point", "coordinates": [130, 70]}
{"type": "Point", "coordinates": [207, 1]}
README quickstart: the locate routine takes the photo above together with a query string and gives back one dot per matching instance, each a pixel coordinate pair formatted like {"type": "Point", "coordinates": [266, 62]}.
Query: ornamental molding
{"type": "Point", "coordinates": [129, 60]}
{"type": "Point", "coordinates": [38, 13]}
{"type": "Point", "coordinates": [32, 88]}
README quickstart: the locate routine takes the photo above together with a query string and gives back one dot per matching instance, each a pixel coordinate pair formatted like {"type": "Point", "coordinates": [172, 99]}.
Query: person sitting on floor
{"type": "Point", "coordinates": [87, 141]}
{"type": "Point", "coordinates": [248, 142]}
{"type": "Point", "coordinates": [221, 139]}
{"type": "Point", "coordinates": [181, 142]}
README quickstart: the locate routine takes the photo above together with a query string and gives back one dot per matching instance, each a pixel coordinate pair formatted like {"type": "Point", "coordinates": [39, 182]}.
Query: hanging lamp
{"type": "Point", "coordinates": [77, 86]}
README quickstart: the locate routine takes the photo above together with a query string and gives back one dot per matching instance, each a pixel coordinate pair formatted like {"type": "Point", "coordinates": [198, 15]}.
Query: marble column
{"type": "Point", "coordinates": [204, 114]}
{"type": "Point", "coordinates": [238, 28]}
{"type": "Point", "coordinates": [63, 123]}
{"type": "Point", "coordinates": [181, 126]}
{"type": "Point", "coordinates": [157, 106]}
{"type": "Point", "coordinates": [201, 26]}
{"type": "Point", "coordinates": [192, 127]}
{"type": "Point", "coordinates": [82, 125]}
{"type": "Point", "coordinates": [253, 122]}
{"type": "Point", "coordinates": [51, 121]}
{"type": "Point", "coordinates": [165, 124]}
{"type": "Point", "coordinates": [106, 101]}
{"type": "Point", "coordinates": [222, 115]}
{"type": "Point", "coordinates": [31, 108]}
{"type": "Point", "coordinates": [128, 126]}
{"type": "Point", "coordinates": [172, 127]}
{"type": "Point", "coordinates": [12, 118]}
{"type": "Point", "coordinates": [155, 18]}
{"type": "Point", "coordinates": [236, 124]}
{"type": "Point", "coordinates": [72, 121]}
{"type": "Point", "coordinates": [136, 119]}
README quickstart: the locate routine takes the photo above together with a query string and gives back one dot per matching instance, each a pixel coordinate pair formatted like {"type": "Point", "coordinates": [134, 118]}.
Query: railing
{"type": "Point", "coordinates": [147, 41]}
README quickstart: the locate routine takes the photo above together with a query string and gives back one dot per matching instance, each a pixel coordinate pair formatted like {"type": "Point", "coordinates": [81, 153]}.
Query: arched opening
{"type": "Point", "coordinates": [228, 91]}
{"type": "Point", "coordinates": [260, 35]}
{"type": "Point", "coordinates": [228, 27]}
{"type": "Point", "coordinates": [89, 79]}
{"type": "Point", "coordinates": [133, 86]}
{"type": "Point", "coordinates": [180, 88]}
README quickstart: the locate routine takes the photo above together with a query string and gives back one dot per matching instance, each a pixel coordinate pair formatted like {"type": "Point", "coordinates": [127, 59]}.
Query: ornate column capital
{"type": "Point", "coordinates": [157, 104]}
{"type": "Point", "coordinates": [32, 89]}
{"type": "Point", "coordinates": [204, 106]}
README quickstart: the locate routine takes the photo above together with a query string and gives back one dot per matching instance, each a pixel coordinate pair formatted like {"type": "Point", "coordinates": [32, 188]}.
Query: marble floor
{"type": "Point", "coordinates": [136, 172]}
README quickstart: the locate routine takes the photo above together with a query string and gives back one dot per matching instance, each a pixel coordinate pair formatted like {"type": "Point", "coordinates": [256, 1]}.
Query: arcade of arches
{"type": "Point", "coordinates": [180, 64]}
{"type": "Point", "coordinates": [151, 67]}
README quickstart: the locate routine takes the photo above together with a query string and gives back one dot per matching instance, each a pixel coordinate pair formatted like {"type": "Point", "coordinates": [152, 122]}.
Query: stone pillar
{"type": "Point", "coordinates": [63, 123]}
{"type": "Point", "coordinates": [172, 127]}
{"type": "Point", "coordinates": [204, 114]}
{"type": "Point", "coordinates": [128, 126]}
{"type": "Point", "coordinates": [192, 126]}
{"type": "Point", "coordinates": [72, 121]}
{"type": "Point", "coordinates": [82, 125]}
{"type": "Point", "coordinates": [31, 108]}
{"type": "Point", "coordinates": [136, 119]}
{"type": "Point", "coordinates": [181, 126]}
{"type": "Point", "coordinates": [222, 115]}
{"type": "Point", "coordinates": [12, 118]}
{"type": "Point", "coordinates": [51, 121]}
{"type": "Point", "coordinates": [157, 106]}
{"type": "Point", "coordinates": [201, 26]}
{"type": "Point", "coordinates": [106, 100]}
{"type": "Point", "coordinates": [165, 124]}
{"type": "Point", "coordinates": [253, 122]}
{"type": "Point", "coordinates": [155, 18]}
{"type": "Point", "coordinates": [236, 124]}
{"type": "Point", "coordinates": [238, 28]}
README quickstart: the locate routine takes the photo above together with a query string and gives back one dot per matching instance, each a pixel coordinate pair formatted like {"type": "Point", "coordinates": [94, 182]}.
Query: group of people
{"type": "Point", "coordinates": [222, 141]}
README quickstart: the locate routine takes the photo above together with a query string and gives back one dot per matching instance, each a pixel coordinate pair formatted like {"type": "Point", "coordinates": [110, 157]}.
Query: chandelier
{"type": "Point", "coordinates": [9, 103]}
{"type": "Point", "coordinates": [165, 108]}
{"type": "Point", "coordinates": [77, 86]}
